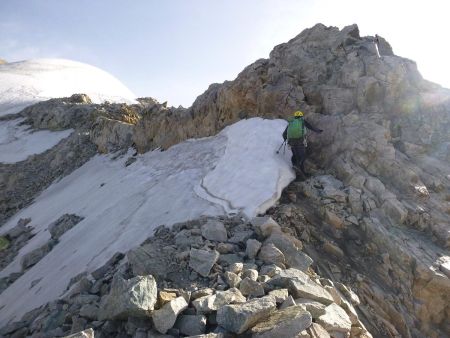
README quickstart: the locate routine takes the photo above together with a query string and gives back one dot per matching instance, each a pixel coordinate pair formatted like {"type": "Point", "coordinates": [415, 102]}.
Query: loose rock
{"type": "Point", "coordinates": [288, 322]}
{"type": "Point", "coordinates": [238, 318]}
{"type": "Point", "coordinates": [133, 297]}
{"type": "Point", "coordinates": [165, 318]}
{"type": "Point", "coordinates": [202, 261]}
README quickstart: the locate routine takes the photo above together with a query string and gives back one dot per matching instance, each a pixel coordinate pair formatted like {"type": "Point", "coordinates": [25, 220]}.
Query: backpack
{"type": "Point", "coordinates": [296, 129]}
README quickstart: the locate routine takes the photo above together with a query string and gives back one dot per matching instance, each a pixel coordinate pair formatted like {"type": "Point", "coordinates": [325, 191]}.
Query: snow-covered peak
{"type": "Point", "coordinates": [26, 82]}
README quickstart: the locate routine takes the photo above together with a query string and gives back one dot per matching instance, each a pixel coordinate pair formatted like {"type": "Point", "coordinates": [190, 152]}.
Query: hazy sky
{"type": "Point", "coordinates": [173, 49]}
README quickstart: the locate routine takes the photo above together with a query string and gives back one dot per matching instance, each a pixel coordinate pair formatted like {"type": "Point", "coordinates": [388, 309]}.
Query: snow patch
{"type": "Point", "coordinates": [237, 170]}
{"type": "Point", "coordinates": [17, 142]}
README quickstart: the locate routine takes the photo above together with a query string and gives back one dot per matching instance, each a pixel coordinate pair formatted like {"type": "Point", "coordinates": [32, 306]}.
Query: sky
{"type": "Point", "coordinates": [173, 50]}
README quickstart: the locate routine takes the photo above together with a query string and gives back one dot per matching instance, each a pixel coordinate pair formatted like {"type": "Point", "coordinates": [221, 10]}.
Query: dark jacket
{"type": "Point", "coordinates": [307, 125]}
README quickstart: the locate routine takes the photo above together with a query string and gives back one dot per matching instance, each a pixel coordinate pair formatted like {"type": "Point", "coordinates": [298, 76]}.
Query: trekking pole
{"type": "Point", "coordinates": [278, 151]}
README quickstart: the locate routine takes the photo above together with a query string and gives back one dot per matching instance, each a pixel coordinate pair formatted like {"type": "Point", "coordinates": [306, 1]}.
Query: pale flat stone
{"type": "Point", "coordinates": [288, 322]}
{"type": "Point", "coordinates": [202, 261]}
{"type": "Point", "coordinates": [335, 319]}
{"type": "Point", "coordinates": [165, 318]}
{"type": "Point", "coordinates": [238, 318]}
{"type": "Point", "coordinates": [214, 231]}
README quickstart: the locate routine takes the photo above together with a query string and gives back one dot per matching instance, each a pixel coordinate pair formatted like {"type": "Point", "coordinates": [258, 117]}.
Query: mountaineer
{"type": "Point", "coordinates": [295, 133]}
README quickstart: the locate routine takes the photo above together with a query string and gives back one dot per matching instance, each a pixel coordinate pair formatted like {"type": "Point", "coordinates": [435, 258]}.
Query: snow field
{"type": "Point", "coordinates": [235, 171]}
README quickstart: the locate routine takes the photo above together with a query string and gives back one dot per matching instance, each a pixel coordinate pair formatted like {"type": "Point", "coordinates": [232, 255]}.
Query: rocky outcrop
{"type": "Point", "coordinates": [118, 302]}
{"type": "Point", "coordinates": [97, 128]}
{"type": "Point", "coordinates": [395, 271]}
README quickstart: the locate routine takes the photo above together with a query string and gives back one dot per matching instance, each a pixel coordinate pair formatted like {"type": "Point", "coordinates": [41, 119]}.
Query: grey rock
{"type": "Point", "coordinates": [19, 229]}
{"type": "Point", "coordinates": [34, 256]}
{"type": "Point", "coordinates": [240, 236]}
{"type": "Point", "coordinates": [78, 324]}
{"type": "Point", "coordinates": [214, 230]}
{"type": "Point", "coordinates": [191, 325]}
{"type": "Point", "coordinates": [225, 248]}
{"type": "Point", "coordinates": [270, 254]}
{"type": "Point", "coordinates": [236, 268]}
{"type": "Point", "coordinates": [83, 299]}
{"type": "Point", "coordinates": [395, 210]}
{"type": "Point", "coordinates": [310, 290]}
{"type": "Point", "coordinates": [280, 295]}
{"type": "Point", "coordinates": [208, 304]}
{"type": "Point", "coordinates": [238, 318]}
{"type": "Point", "coordinates": [165, 318]}
{"type": "Point", "coordinates": [317, 331]}
{"type": "Point", "coordinates": [11, 327]}
{"type": "Point", "coordinates": [63, 224]}
{"type": "Point", "coordinates": [184, 239]}
{"type": "Point", "coordinates": [202, 293]}
{"type": "Point", "coordinates": [101, 271]}
{"type": "Point", "coordinates": [132, 297]}
{"type": "Point", "coordinates": [289, 322]}
{"type": "Point", "coordinates": [89, 311]}
{"type": "Point", "coordinates": [270, 270]}
{"type": "Point", "coordinates": [252, 248]}
{"type": "Point", "coordinates": [288, 302]}
{"type": "Point", "coordinates": [315, 308]}
{"type": "Point", "coordinates": [249, 287]}
{"type": "Point", "coordinates": [250, 273]}
{"type": "Point", "coordinates": [89, 333]}
{"type": "Point", "coordinates": [155, 334]}
{"type": "Point", "coordinates": [202, 261]}
{"type": "Point", "coordinates": [335, 319]}
{"type": "Point", "coordinates": [232, 279]}
{"type": "Point", "coordinates": [290, 247]}
{"type": "Point", "coordinates": [264, 226]}
{"type": "Point", "coordinates": [285, 277]}
{"type": "Point", "coordinates": [228, 259]}
{"type": "Point", "coordinates": [149, 260]}
{"type": "Point", "coordinates": [140, 333]}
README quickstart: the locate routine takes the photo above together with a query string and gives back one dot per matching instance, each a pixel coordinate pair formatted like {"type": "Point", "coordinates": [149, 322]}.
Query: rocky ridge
{"type": "Point", "coordinates": [204, 288]}
{"type": "Point", "coordinates": [376, 213]}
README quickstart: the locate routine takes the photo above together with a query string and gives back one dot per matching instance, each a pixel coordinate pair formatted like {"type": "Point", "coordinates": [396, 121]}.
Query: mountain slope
{"type": "Point", "coordinates": [121, 205]}
{"type": "Point", "coordinates": [374, 215]}
{"type": "Point", "coordinates": [26, 82]}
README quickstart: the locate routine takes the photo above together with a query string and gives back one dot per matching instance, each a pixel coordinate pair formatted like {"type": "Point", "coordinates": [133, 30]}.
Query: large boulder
{"type": "Point", "coordinates": [238, 318]}
{"type": "Point", "coordinates": [133, 297]}
{"type": "Point", "coordinates": [288, 322]}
